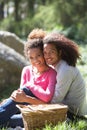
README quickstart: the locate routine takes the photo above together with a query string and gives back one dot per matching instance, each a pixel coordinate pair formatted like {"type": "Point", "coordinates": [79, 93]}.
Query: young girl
{"type": "Point", "coordinates": [37, 82]}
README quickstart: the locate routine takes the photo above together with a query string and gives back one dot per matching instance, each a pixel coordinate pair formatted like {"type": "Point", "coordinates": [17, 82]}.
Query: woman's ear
{"type": "Point", "coordinates": [60, 53]}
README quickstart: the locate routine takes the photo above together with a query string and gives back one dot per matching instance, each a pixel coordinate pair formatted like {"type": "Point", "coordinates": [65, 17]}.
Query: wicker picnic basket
{"type": "Point", "coordinates": [37, 116]}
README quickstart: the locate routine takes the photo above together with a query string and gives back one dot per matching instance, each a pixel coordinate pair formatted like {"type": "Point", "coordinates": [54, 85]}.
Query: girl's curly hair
{"type": "Point", "coordinates": [34, 43]}
{"type": "Point", "coordinates": [37, 33]}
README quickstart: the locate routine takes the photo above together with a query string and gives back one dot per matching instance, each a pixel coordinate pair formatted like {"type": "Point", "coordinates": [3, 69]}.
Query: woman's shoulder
{"type": "Point", "coordinates": [64, 68]}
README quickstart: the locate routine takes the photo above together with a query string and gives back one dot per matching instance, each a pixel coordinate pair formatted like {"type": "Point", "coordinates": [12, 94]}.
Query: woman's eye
{"type": "Point", "coordinates": [30, 58]}
{"type": "Point", "coordinates": [53, 51]}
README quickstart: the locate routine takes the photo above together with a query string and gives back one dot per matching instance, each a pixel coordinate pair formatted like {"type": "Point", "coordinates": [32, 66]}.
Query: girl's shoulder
{"type": "Point", "coordinates": [27, 68]}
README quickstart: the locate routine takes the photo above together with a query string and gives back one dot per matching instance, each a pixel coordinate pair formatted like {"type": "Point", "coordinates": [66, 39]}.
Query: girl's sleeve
{"type": "Point", "coordinates": [45, 95]}
{"type": "Point", "coordinates": [23, 77]}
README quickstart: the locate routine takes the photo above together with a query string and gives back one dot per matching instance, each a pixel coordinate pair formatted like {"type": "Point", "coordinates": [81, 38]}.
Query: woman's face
{"type": "Point", "coordinates": [36, 57]}
{"type": "Point", "coordinates": [51, 54]}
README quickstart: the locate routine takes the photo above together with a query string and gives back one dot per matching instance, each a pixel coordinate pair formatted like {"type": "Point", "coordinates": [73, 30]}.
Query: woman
{"type": "Point", "coordinates": [62, 54]}
{"type": "Point", "coordinates": [36, 87]}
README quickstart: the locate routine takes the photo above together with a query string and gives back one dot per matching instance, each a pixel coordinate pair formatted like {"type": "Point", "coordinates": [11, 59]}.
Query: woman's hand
{"type": "Point", "coordinates": [18, 95]}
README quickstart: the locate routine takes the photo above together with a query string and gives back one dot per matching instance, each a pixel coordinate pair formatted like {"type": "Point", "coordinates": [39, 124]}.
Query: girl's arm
{"type": "Point", "coordinates": [20, 96]}
{"type": "Point", "coordinates": [45, 94]}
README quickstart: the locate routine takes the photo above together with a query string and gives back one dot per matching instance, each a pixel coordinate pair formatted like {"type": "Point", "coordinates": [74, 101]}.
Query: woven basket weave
{"type": "Point", "coordinates": [37, 116]}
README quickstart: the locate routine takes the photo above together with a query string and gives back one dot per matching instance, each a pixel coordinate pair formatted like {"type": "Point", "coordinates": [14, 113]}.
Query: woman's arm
{"type": "Point", "coordinates": [65, 77]}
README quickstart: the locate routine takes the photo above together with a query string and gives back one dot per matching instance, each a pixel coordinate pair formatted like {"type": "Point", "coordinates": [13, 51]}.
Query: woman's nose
{"type": "Point", "coordinates": [47, 55]}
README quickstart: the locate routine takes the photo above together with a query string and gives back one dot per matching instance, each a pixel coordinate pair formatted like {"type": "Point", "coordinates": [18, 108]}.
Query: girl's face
{"type": "Point", "coordinates": [36, 57]}
{"type": "Point", "coordinates": [51, 54]}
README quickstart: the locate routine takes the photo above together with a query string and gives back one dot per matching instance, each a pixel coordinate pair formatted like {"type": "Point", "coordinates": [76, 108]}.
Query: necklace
{"type": "Point", "coordinates": [36, 74]}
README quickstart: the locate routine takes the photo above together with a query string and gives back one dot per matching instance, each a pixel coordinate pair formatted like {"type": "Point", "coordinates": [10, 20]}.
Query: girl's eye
{"type": "Point", "coordinates": [39, 55]}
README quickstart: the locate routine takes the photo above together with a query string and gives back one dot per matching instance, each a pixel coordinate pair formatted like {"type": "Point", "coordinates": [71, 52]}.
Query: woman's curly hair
{"type": "Point", "coordinates": [70, 51]}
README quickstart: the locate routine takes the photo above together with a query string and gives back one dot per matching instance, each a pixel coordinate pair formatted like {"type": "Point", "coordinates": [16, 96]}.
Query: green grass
{"type": "Point", "coordinates": [80, 125]}
{"type": "Point", "coordinates": [7, 92]}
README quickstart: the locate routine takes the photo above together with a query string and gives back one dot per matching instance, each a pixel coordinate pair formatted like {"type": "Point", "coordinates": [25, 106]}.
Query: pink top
{"type": "Point", "coordinates": [42, 86]}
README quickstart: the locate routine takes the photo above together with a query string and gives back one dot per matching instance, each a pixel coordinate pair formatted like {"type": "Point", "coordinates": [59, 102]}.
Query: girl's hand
{"type": "Point", "coordinates": [18, 95]}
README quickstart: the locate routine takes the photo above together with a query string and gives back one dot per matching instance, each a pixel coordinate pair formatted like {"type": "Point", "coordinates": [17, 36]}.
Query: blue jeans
{"type": "Point", "coordinates": [10, 115]}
